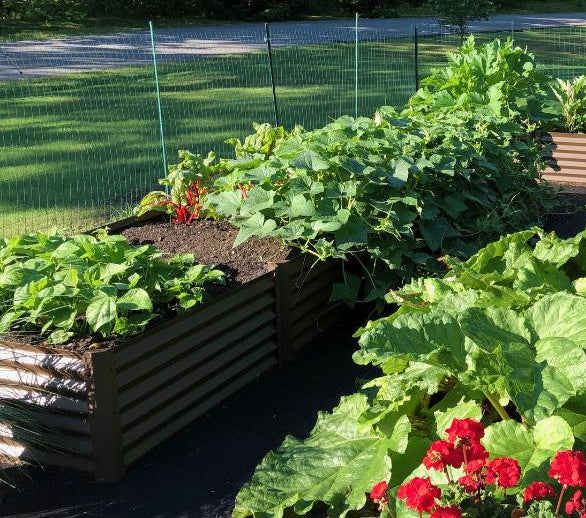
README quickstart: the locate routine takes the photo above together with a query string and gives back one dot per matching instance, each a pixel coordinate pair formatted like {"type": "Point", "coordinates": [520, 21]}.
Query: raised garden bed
{"type": "Point", "coordinates": [565, 155]}
{"type": "Point", "coordinates": [102, 409]}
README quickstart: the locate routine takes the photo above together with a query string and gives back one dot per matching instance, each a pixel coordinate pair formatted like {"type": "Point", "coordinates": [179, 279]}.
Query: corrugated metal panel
{"type": "Point", "coordinates": [53, 385]}
{"type": "Point", "coordinates": [218, 348]}
{"type": "Point", "coordinates": [566, 157]}
{"type": "Point", "coordinates": [310, 311]}
{"type": "Point", "coordinates": [44, 457]}
{"type": "Point", "coordinates": [176, 328]}
{"type": "Point", "coordinates": [164, 412]}
{"type": "Point", "coordinates": [221, 392]}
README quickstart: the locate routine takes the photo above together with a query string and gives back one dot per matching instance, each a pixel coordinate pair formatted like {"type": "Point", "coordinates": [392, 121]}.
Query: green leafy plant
{"type": "Point", "coordinates": [390, 192]}
{"type": "Point", "coordinates": [497, 79]}
{"type": "Point", "coordinates": [61, 287]}
{"type": "Point", "coordinates": [571, 95]}
{"type": "Point", "coordinates": [500, 338]}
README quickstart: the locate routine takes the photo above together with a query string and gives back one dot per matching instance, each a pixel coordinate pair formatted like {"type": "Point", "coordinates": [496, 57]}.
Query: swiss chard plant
{"type": "Point", "coordinates": [501, 338]}
{"type": "Point", "coordinates": [63, 287]}
{"type": "Point", "coordinates": [187, 185]}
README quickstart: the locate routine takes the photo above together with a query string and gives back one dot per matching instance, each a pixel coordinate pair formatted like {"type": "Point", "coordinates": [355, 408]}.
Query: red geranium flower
{"type": "Point", "coordinates": [379, 492]}
{"type": "Point", "coordinates": [538, 491]}
{"type": "Point", "coordinates": [419, 494]}
{"type": "Point", "coordinates": [569, 468]}
{"type": "Point", "coordinates": [504, 472]}
{"type": "Point", "coordinates": [442, 454]}
{"type": "Point", "coordinates": [475, 451]}
{"type": "Point", "coordinates": [453, 511]}
{"type": "Point", "coordinates": [475, 467]}
{"type": "Point", "coordinates": [471, 483]}
{"type": "Point", "coordinates": [575, 504]}
{"type": "Point", "coordinates": [465, 431]}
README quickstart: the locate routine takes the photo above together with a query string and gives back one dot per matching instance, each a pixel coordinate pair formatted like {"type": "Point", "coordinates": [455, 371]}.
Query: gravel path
{"type": "Point", "coordinates": [30, 59]}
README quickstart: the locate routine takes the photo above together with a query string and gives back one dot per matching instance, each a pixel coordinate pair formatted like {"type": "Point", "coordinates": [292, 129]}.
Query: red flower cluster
{"type": "Point", "coordinates": [465, 432]}
{"type": "Point", "coordinates": [504, 472]}
{"type": "Point", "coordinates": [576, 504]}
{"type": "Point", "coordinates": [379, 494]}
{"type": "Point", "coordinates": [442, 454]}
{"type": "Point", "coordinates": [538, 491]}
{"type": "Point", "coordinates": [452, 511]}
{"type": "Point", "coordinates": [463, 448]}
{"type": "Point", "coordinates": [569, 468]}
{"type": "Point", "coordinates": [419, 494]}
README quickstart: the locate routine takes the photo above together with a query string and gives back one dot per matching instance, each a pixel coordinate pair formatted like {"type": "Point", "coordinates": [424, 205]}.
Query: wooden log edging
{"type": "Point", "coordinates": [103, 410]}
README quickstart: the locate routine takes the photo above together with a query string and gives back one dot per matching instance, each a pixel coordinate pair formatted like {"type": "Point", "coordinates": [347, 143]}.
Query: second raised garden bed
{"type": "Point", "coordinates": [101, 410]}
{"type": "Point", "coordinates": [565, 155]}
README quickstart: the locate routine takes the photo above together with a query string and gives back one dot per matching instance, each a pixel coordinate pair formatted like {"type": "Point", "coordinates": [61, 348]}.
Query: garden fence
{"type": "Point", "coordinates": [89, 123]}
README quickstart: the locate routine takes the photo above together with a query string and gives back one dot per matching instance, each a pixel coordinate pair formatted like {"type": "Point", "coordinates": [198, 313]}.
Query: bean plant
{"type": "Point", "coordinates": [63, 287]}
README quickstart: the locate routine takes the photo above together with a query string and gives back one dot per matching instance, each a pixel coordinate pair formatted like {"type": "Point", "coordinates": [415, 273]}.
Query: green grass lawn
{"type": "Point", "coordinates": [78, 150]}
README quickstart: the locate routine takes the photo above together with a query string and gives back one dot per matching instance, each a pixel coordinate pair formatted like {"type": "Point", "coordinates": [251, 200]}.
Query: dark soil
{"type": "Point", "coordinates": [212, 243]}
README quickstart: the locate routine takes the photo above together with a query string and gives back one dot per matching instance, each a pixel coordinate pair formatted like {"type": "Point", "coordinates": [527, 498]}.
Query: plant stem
{"type": "Point", "coordinates": [494, 401]}
{"type": "Point", "coordinates": [447, 472]}
{"type": "Point", "coordinates": [557, 509]}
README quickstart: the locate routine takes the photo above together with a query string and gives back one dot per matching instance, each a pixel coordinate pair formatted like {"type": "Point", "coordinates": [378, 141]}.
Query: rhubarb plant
{"type": "Point", "coordinates": [65, 287]}
{"type": "Point", "coordinates": [499, 339]}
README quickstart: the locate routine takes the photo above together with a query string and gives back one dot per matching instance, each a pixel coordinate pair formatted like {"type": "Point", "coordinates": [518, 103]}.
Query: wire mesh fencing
{"type": "Point", "coordinates": [89, 124]}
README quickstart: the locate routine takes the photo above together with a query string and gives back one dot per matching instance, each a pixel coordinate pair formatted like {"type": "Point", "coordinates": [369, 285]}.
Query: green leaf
{"type": "Point", "coordinates": [560, 315]}
{"type": "Point", "coordinates": [420, 337]}
{"type": "Point", "coordinates": [337, 465]}
{"type": "Point", "coordinates": [310, 160]}
{"type": "Point", "coordinates": [59, 337]}
{"type": "Point", "coordinates": [532, 448]}
{"type": "Point", "coordinates": [101, 312]}
{"type": "Point", "coordinates": [257, 226]}
{"type": "Point", "coordinates": [134, 300]}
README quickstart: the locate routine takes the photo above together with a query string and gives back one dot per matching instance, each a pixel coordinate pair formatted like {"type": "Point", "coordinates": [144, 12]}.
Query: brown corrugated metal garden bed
{"type": "Point", "coordinates": [102, 409]}
{"type": "Point", "coordinates": [565, 155]}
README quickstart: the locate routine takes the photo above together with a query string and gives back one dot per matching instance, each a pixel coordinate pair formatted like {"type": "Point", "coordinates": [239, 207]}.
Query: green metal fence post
{"type": "Point", "coordinates": [356, 67]}
{"type": "Point", "coordinates": [271, 72]}
{"type": "Point", "coordinates": [159, 103]}
{"type": "Point", "coordinates": [416, 43]}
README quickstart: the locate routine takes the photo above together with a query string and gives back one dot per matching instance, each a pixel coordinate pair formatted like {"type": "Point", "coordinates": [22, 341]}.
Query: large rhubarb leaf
{"type": "Point", "coordinates": [337, 465]}
{"type": "Point", "coordinates": [433, 338]}
{"type": "Point", "coordinates": [533, 448]}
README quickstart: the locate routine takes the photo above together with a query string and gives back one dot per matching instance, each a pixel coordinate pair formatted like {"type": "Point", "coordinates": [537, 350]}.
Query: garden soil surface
{"type": "Point", "coordinates": [211, 242]}
{"type": "Point", "coordinates": [198, 473]}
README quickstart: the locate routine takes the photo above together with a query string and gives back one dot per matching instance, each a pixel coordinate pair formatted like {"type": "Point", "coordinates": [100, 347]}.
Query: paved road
{"type": "Point", "coordinates": [29, 59]}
